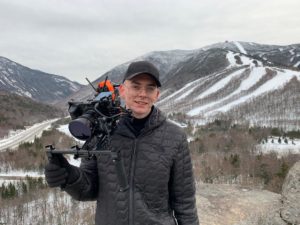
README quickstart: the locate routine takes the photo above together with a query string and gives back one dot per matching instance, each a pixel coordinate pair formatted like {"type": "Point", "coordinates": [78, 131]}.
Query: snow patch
{"type": "Point", "coordinates": [297, 64]}
{"type": "Point", "coordinates": [60, 80]}
{"type": "Point", "coordinates": [240, 47]}
{"type": "Point", "coordinates": [16, 135]}
{"type": "Point", "coordinates": [276, 83]}
{"type": "Point", "coordinates": [65, 129]}
{"type": "Point", "coordinates": [10, 70]}
{"type": "Point", "coordinates": [292, 51]}
{"type": "Point", "coordinates": [255, 75]}
{"type": "Point", "coordinates": [219, 85]}
{"type": "Point", "coordinates": [21, 173]}
{"type": "Point", "coordinates": [28, 94]}
{"type": "Point", "coordinates": [184, 91]}
{"type": "Point", "coordinates": [230, 57]}
{"type": "Point", "coordinates": [244, 59]}
{"type": "Point", "coordinates": [293, 146]}
{"type": "Point", "coordinates": [182, 125]}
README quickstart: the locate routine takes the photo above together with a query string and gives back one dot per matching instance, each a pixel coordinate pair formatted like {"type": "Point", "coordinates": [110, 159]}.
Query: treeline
{"type": "Point", "coordinates": [16, 112]}
{"type": "Point", "coordinates": [280, 108]}
{"type": "Point", "coordinates": [32, 156]}
{"type": "Point", "coordinates": [29, 200]}
{"type": "Point", "coordinates": [21, 187]}
{"type": "Point", "coordinates": [226, 153]}
{"type": "Point", "coordinates": [47, 206]}
{"type": "Point", "coordinates": [277, 108]}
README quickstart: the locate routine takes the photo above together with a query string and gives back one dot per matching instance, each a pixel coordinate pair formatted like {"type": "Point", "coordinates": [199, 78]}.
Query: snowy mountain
{"type": "Point", "coordinates": [245, 91]}
{"type": "Point", "coordinates": [35, 84]}
{"type": "Point", "coordinates": [257, 84]}
{"type": "Point", "coordinates": [245, 82]}
{"type": "Point", "coordinates": [272, 54]}
{"type": "Point", "coordinates": [165, 61]}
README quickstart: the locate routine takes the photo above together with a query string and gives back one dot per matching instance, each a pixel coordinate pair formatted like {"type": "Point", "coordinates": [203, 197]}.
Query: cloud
{"type": "Point", "coordinates": [75, 37]}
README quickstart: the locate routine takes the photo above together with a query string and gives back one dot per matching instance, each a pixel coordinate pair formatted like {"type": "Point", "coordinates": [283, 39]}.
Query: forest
{"type": "Point", "coordinates": [222, 153]}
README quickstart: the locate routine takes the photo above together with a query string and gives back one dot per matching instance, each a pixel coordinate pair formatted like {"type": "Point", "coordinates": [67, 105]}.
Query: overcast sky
{"type": "Point", "coordinates": [79, 38]}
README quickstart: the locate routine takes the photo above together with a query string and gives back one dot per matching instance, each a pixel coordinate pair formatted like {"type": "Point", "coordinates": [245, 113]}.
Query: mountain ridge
{"type": "Point", "coordinates": [221, 75]}
{"type": "Point", "coordinates": [38, 85]}
{"type": "Point", "coordinates": [203, 82]}
{"type": "Point", "coordinates": [17, 112]}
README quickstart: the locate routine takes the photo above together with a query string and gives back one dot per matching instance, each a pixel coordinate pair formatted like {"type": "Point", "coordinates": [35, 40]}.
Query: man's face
{"type": "Point", "coordinates": [139, 94]}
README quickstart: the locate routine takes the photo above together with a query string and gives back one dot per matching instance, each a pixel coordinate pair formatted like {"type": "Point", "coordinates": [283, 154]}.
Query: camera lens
{"type": "Point", "coordinates": [81, 128]}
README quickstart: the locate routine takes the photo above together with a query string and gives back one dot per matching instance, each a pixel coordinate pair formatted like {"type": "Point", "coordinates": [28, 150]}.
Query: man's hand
{"type": "Point", "coordinates": [59, 172]}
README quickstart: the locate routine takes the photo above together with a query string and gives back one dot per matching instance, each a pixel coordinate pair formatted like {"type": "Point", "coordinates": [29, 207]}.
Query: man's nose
{"type": "Point", "coordinates": [143, 92]}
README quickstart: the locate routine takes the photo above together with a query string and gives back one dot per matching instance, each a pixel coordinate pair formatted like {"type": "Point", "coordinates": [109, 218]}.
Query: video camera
{"type": "Point", "coordinates": [97, 116]}
{"type": "Point", "coordinates": [94, 121]}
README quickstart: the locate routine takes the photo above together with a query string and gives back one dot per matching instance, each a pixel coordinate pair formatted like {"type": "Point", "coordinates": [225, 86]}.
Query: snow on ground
{"type": "Point", "coordinates": [230, 57]}
{"type": "Point", "coordinates": [280, 148]}
{"type": "Point", "coordinates": [276, 83]}
{"type": "Point", "coordinates": [244, 59]}
{"type": "Point", "coordinates": [240, 47]}
{"type": "Point", "coordinates": [26, 135]}
{"type": "Point", "coordinates": [182, 125]}
{"type": "Point", "coordinates": [5, 182]}
{"type": "Point", "coordinates": [219, 85]}
{"type": "Point", "coordinates": [256, 74]}
{"type": "Point", "coordinates": [9, 173]}
{"type": "Point", "coordinates": [188, 89]}
{"type": "Point", "coordinates": [14, 176]}
{"type": "Point", "coordinates": [20, 173]}
{"type": "Point", "coordinates": [54, 207]}
{"type": "Point", "coordinates": [65, 129]}
{"type": "Point", "coordinates": [6, 174]}
{"type": "Point", "coordinates": [292, 51]}
{"type": "Point", "coordinates": [184, 91]}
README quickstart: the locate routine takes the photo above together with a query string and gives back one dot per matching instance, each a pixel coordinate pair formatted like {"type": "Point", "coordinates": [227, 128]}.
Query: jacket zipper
{"type": "Point", "coordinates": [131, 184]}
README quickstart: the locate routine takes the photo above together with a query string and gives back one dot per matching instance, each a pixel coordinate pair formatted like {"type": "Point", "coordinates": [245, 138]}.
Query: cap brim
{"type": "Point", "coordinates": [139, 73]}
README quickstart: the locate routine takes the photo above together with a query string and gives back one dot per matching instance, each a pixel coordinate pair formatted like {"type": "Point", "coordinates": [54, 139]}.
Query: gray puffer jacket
{"type": "Point", "coordinates": [159, 172]}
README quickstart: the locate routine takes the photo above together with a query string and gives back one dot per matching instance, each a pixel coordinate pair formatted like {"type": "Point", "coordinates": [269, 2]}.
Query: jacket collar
{"type": "Point", "coordinates": [155, 119]}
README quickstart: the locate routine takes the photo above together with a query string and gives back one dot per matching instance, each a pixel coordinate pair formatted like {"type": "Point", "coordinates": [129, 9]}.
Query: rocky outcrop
{"type": "Point", "coordinates": [235, 205]}
{"type": "Point", "coordinates": [290, 211]}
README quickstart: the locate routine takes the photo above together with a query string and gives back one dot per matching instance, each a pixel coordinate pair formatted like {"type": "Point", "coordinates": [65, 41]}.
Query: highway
{"type": "Point", "coordinates": [27, 135]}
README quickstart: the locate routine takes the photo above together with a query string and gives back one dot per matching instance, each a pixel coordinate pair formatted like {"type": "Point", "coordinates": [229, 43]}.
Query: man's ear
{"type": "Point", "coordinates": [121, 91]}
{"type": "Point", "coordinates": [157, 95]}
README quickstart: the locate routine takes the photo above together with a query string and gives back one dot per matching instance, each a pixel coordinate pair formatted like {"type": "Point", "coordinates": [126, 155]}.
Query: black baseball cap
{"type": "Point", "coordinates": [142, 67]}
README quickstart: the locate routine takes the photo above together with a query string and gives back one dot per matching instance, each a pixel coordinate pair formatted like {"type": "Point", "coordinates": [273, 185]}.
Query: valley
{"type": "Point", "coordinates": [238, 102]}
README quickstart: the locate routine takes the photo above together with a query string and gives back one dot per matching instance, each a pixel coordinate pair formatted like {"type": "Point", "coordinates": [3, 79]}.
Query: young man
{"type": "Point", "coordinates": [156, 159]}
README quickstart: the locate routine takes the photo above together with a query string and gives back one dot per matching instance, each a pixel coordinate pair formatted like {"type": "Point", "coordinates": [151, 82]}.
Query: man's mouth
{"type": "Point", "coordinates": [141, 103]}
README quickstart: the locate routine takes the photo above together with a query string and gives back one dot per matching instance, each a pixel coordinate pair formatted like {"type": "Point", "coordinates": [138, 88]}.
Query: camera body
{"type": "Point", "coordinates": [93, 122]}
{"type": "Point", "coordinates": [97, 116]}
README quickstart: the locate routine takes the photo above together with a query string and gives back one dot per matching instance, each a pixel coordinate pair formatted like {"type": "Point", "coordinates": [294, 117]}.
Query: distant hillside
{"type": "Point", "coordinates": [16, 112]}
{"type": "Point", "coordinates": [164, 60]}
{"type": "Point", "coordinates": [244, 81]}
{"type": "Point", "coordinates": [40, 86]}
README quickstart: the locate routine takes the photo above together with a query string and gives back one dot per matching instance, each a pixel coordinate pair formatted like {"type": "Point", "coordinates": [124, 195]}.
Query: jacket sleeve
{"type": "Point", "coordinates": [182, 187]}
{"type": "Point", "coordinates": [85, 188]}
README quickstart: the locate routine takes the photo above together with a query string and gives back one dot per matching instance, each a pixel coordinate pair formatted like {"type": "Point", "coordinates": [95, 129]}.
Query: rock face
{"type": "Point", "coordinates": [290, 211]}
{"type": "Point", "coordinates": [235, 205]}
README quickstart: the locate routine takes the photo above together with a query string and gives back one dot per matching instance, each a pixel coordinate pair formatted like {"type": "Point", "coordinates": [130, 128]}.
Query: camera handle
{"type": "Point", "coordinates": [78, 152]}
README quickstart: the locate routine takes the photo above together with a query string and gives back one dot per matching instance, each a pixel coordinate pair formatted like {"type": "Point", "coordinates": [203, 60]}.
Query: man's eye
{"type": "Point", "coordinates": [150, 89]}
